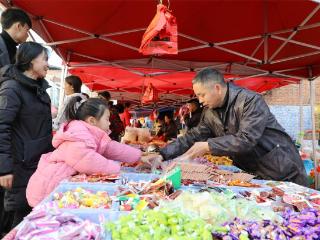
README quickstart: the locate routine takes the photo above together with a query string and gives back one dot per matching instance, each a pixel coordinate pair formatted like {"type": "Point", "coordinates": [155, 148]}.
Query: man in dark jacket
{"type": "Point", "coordinates": [15, 25]}
{"type": "Point", "coordinates": [192, 119]}
{"type": "Point", "coordinates": [238, 123]}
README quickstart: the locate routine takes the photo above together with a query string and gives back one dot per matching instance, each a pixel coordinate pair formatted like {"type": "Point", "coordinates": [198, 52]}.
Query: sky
{"type": "Point", "coordinates": [54, 59]}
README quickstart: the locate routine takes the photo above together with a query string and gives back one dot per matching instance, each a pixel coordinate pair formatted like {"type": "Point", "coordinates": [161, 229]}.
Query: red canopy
{"type": "Point", "coordinates": [166, 82]}
{"type": "Point", "coordinates": [242, 38]}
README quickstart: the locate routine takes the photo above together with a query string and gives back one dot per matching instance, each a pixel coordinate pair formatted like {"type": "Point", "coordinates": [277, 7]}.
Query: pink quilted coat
{"type": "Point", "coordinates": [80, 148]}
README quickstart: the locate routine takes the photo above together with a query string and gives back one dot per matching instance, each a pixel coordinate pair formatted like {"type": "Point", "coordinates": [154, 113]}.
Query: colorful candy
{"type": "Point", "coordinates": [81, 198]}
{"type": "Point", "coordinates": [303, 225]}
{"type": "Point", "coordinates": [217, 208]}
{"type": "Point", "coordinates": [159, 224]}
{"type": "Point", "coordinates": [94, 178]}
{"type": "Point", "coordinates": [47, 223]}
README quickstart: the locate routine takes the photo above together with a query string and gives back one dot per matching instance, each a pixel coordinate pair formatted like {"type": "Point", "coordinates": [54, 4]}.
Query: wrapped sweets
{"type": "Point", "coordinates": [217, 208]}
{"type": "Point", "coordinates": [305, 223]}
{"type": "Point", "coordinates": [98, 177]}
{"type": "Point", "coordinates": [81, 198]}
{"type": "Point", "coordinates": [245, 230]}
{"type": "Point", "coordinates": [159, 224]}
{"type": "Point", "coordinates": [206, 162]}
{"type": "Point", "coordinates": [219, 160]}
{"type": "Point", "coordinates": [140, 195]}
{"type": "Point", "coordinates": [50, 223]}
{"type": "Point", "coordinates": [299, 226]}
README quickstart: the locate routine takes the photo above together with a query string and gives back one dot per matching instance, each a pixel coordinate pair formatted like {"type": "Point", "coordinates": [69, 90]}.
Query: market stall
{"type": "Point", "coordinates": [203, 198]}
{"type": "Point", "coordinates": [245, 39]}
{"type": "Point", "coordinates": [181, 203]}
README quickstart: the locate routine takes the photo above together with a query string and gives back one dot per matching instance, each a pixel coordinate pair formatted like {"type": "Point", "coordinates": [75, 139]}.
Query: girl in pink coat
{"type": "Point", "coordinates": [82, 146]}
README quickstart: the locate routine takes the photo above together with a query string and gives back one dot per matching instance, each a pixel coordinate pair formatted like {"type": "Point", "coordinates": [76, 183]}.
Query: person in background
{"type": "Point", "coordinates": [126, 116]}
{"type": "Point", "coordinates": [116, 125]}
{"type": "Point", "coordinates": [72, 88]}
{"type": "Point", "coordinates": [82, 145]}
{"type": "Point", "coordinates": [169, 130]}
{"type": "Point", "coordinates": [25, 124]}
{"type": "Point", "coordinates": [120, 108]}
{"type": "Point", "coordinates": [192, 119]}
{"type": "Point", "coordinates": [15, 25]}
{"type": "Point", "coordinates": [54, 111]}
{"type": "Point", "coordinates": [148, 123]}
{"type": "Point", "coordinates": [177, 121]}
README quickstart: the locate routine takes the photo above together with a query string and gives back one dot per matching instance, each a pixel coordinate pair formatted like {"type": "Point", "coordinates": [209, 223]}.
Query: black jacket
{"type": "Point", "coordinates": [194, 120]}
{"type": "Point", "coordinates": [4, 54]}
{"type": "Point", "coordinates": [25, 130]}
{"type": "Point", "coordinates": [250, 135]}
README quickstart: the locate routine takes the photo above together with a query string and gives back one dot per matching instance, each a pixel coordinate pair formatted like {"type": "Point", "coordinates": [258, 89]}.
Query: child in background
{"type": "Point", "coordinates": [82, 146]}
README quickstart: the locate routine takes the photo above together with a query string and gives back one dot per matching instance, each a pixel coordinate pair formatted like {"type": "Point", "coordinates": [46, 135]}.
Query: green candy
{"type": "Point", "coordinates": [243, 236]}
{"type": "Point", "coordinates": [159, 224]}
{"type": "Point", "coordinates": [206, 235]}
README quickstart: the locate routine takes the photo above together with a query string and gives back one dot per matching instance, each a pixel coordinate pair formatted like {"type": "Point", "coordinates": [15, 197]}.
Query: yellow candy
{"type": "Point", "coordinates": [141, 205]}
{"type": "Point", "coordinates": [131, 195]}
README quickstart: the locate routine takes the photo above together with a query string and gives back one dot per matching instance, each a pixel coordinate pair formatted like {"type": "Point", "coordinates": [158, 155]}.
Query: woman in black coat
{"type": "Point", "coordinates": [25, 124]}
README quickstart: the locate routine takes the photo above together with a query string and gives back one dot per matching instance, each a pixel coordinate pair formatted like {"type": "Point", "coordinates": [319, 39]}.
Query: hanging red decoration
{"type": "Point", "coordinates": [150, 95]}
{"type": "Point", "coordinates": [161, 36]}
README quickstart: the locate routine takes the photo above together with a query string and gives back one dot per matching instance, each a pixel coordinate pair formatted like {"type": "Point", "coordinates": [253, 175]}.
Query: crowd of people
{"type": "Point", "coordinates": [224, 120]}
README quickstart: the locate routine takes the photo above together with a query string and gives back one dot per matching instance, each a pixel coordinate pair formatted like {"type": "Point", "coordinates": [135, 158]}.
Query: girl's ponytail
{"type": "Point", "coordinates": [78, 109]}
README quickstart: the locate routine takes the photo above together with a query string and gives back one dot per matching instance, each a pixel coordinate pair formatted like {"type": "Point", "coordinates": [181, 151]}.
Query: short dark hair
{"type": "Point", "coordinates": [12, 15]}
{"type": "Point", "coordinates": [120, 108]}
{"type": "Point", "coordinates": [194, 101]}
{"type": "Point", "coordinates": [105, 94]}
{"type": "Point", "coordinates": [26, 53]}
{"type": "Point", "coordinates": [75, 110]}
{"type": "Point", "coordinates": [127, 104]}
{"type": "Point", "coordinates": [75, 82]}
{"type": "Point", "coordinates": [170, 116]}
{"type": "Point", "coordinates": [110, 104]}
{"type": "Point", "coordinates": [209, 75]}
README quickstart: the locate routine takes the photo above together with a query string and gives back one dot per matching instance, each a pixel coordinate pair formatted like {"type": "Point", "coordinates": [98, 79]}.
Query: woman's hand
{"type": "Point", "coordinates": [6, 181]}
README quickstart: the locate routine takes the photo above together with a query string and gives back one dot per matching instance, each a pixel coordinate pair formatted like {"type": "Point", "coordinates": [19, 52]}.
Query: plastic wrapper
{"type": "Point", "coordinates": [304, 225]}
{"type": "Point", "coordinates": [130, 135]}
{"type": "Point", "coordinates": [56, 225]}
{"type": "Point", "coordinates": [160, 224]}
{"type": "Point", "coordinates": [81, 198]}
{"type": "Point", "coordinates": [144, 135]}
{"type": "Point", "coordinates": [219, 160]}
{"type": "Point", "coordinates": [94, 178]}
{"type": "Point", "coordinates": [218, 208]}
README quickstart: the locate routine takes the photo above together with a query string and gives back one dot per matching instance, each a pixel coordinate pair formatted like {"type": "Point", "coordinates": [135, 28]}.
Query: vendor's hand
{"type": "Point", "coordinates": [152, 160]}
{"type": "Point", "coordinates": [197, 150]}
{"type": "Point", "coordinates": [148, 158]}
{"type": "Point", "coordinates": [6, 181]}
